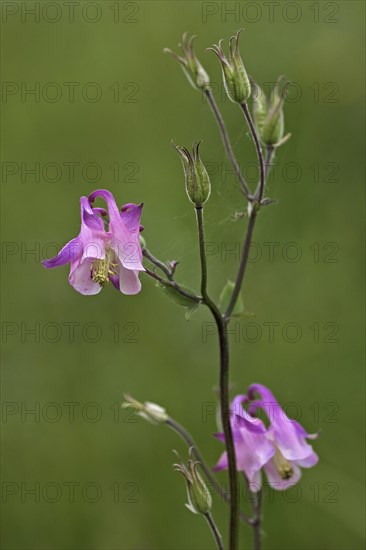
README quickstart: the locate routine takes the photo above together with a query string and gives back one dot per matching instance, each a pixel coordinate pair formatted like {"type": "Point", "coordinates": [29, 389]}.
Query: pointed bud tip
{"type": "Point", "coordinates": [239, 33]}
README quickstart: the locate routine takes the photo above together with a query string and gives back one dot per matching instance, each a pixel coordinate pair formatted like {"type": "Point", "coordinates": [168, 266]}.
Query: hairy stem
{"type": "Point", "coordinates": [224, 386]}
{"type": "Point", "coordinates": [215, 532]}
{"type": "Point", "coordinates": [226, 141]}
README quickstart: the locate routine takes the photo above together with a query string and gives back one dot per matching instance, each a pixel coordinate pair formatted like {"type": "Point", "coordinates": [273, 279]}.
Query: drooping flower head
{"type": "Point", "coordinates": [252, 448]}
{"type": "Point", "coordinates": [152, 412]}
{"type": "Point", "coordinates": [281, 449]}
{"type": "Point", "coordinates": [288, 437]}
{"type": "Point", "coordinates": [97, 256]}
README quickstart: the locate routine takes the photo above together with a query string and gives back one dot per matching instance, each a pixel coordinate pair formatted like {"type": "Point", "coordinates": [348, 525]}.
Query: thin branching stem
{"type": "Point", "coordinates": [158, 263]}
{"type": "Point", "coordinates": [226, 141]}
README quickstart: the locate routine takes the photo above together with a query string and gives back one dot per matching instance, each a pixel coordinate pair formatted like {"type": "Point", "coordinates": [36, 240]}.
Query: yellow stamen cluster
{"type": "Point", "coordinates": [101, 269]}
{"type": "Point", "coordinates": [284, 468]}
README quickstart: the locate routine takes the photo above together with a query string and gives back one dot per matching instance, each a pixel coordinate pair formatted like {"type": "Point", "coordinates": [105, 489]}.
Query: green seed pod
{"type": "Point", "coordinates": [199, 497]}
{"type": "Point", "coordinates": [273, 128]}
{"type": "Point", "coordinates": [260, 109]}
{"type": "Point", "coordinates": [269, 118]}
{"type": "Point", "coordinates": [236, 81]}
{"type": "Point", "coordinates": [197, 180]}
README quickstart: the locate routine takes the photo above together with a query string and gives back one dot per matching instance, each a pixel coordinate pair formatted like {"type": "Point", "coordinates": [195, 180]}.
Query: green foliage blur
{"type": "Point", "coordinates": [106, 106]}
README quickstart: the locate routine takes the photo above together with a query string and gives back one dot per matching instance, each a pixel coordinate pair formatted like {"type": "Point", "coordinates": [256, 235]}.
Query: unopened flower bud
{"type": "Point", "coordinates": [153, 413]}
{"type": "Point", "coordinates": [192, 68]}
{"type": "Point", "coordinates": [198, 184]}
{"type": "Point", "coordinates": [199, 497]}
{"type": "Point", "coordinates": [268, 116]}
{"type": "Point", "coordinates": [236, 81]}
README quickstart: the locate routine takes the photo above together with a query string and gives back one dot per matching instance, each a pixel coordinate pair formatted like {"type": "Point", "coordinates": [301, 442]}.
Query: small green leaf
{"type": "Point", "coordinates": [176, 296]}
{"type": "Point", "coordinates": [225, 298]}
{"type": "Point", "coordinates": [247, 314]}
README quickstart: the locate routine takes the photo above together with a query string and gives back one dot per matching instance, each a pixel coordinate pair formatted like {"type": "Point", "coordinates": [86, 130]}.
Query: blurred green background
{"type": "Point", "coordinates": [100, 480]}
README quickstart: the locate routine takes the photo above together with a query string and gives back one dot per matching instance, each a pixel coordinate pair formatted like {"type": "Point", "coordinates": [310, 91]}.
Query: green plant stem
{"type": "Point", "coordinates": [226, 141]}
{"type": "Point", "coordinates": [186, 436]}
{"type": "Point", "coordinates": [221, 323]}
{"type": "Point", "coordinates": [248, 118]}
{"type": "Point", "coordinates": [215, 532]}
{"type": "Point", "coordinates": [257, 519]}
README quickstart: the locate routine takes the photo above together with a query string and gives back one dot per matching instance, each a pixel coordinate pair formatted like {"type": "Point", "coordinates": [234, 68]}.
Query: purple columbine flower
{"type": "Point", "coordinates": [253, 449]}
{"type": "Point", "coordinates": [98, 256]}
{"type": "Point", "coordinates": [288, 438]}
